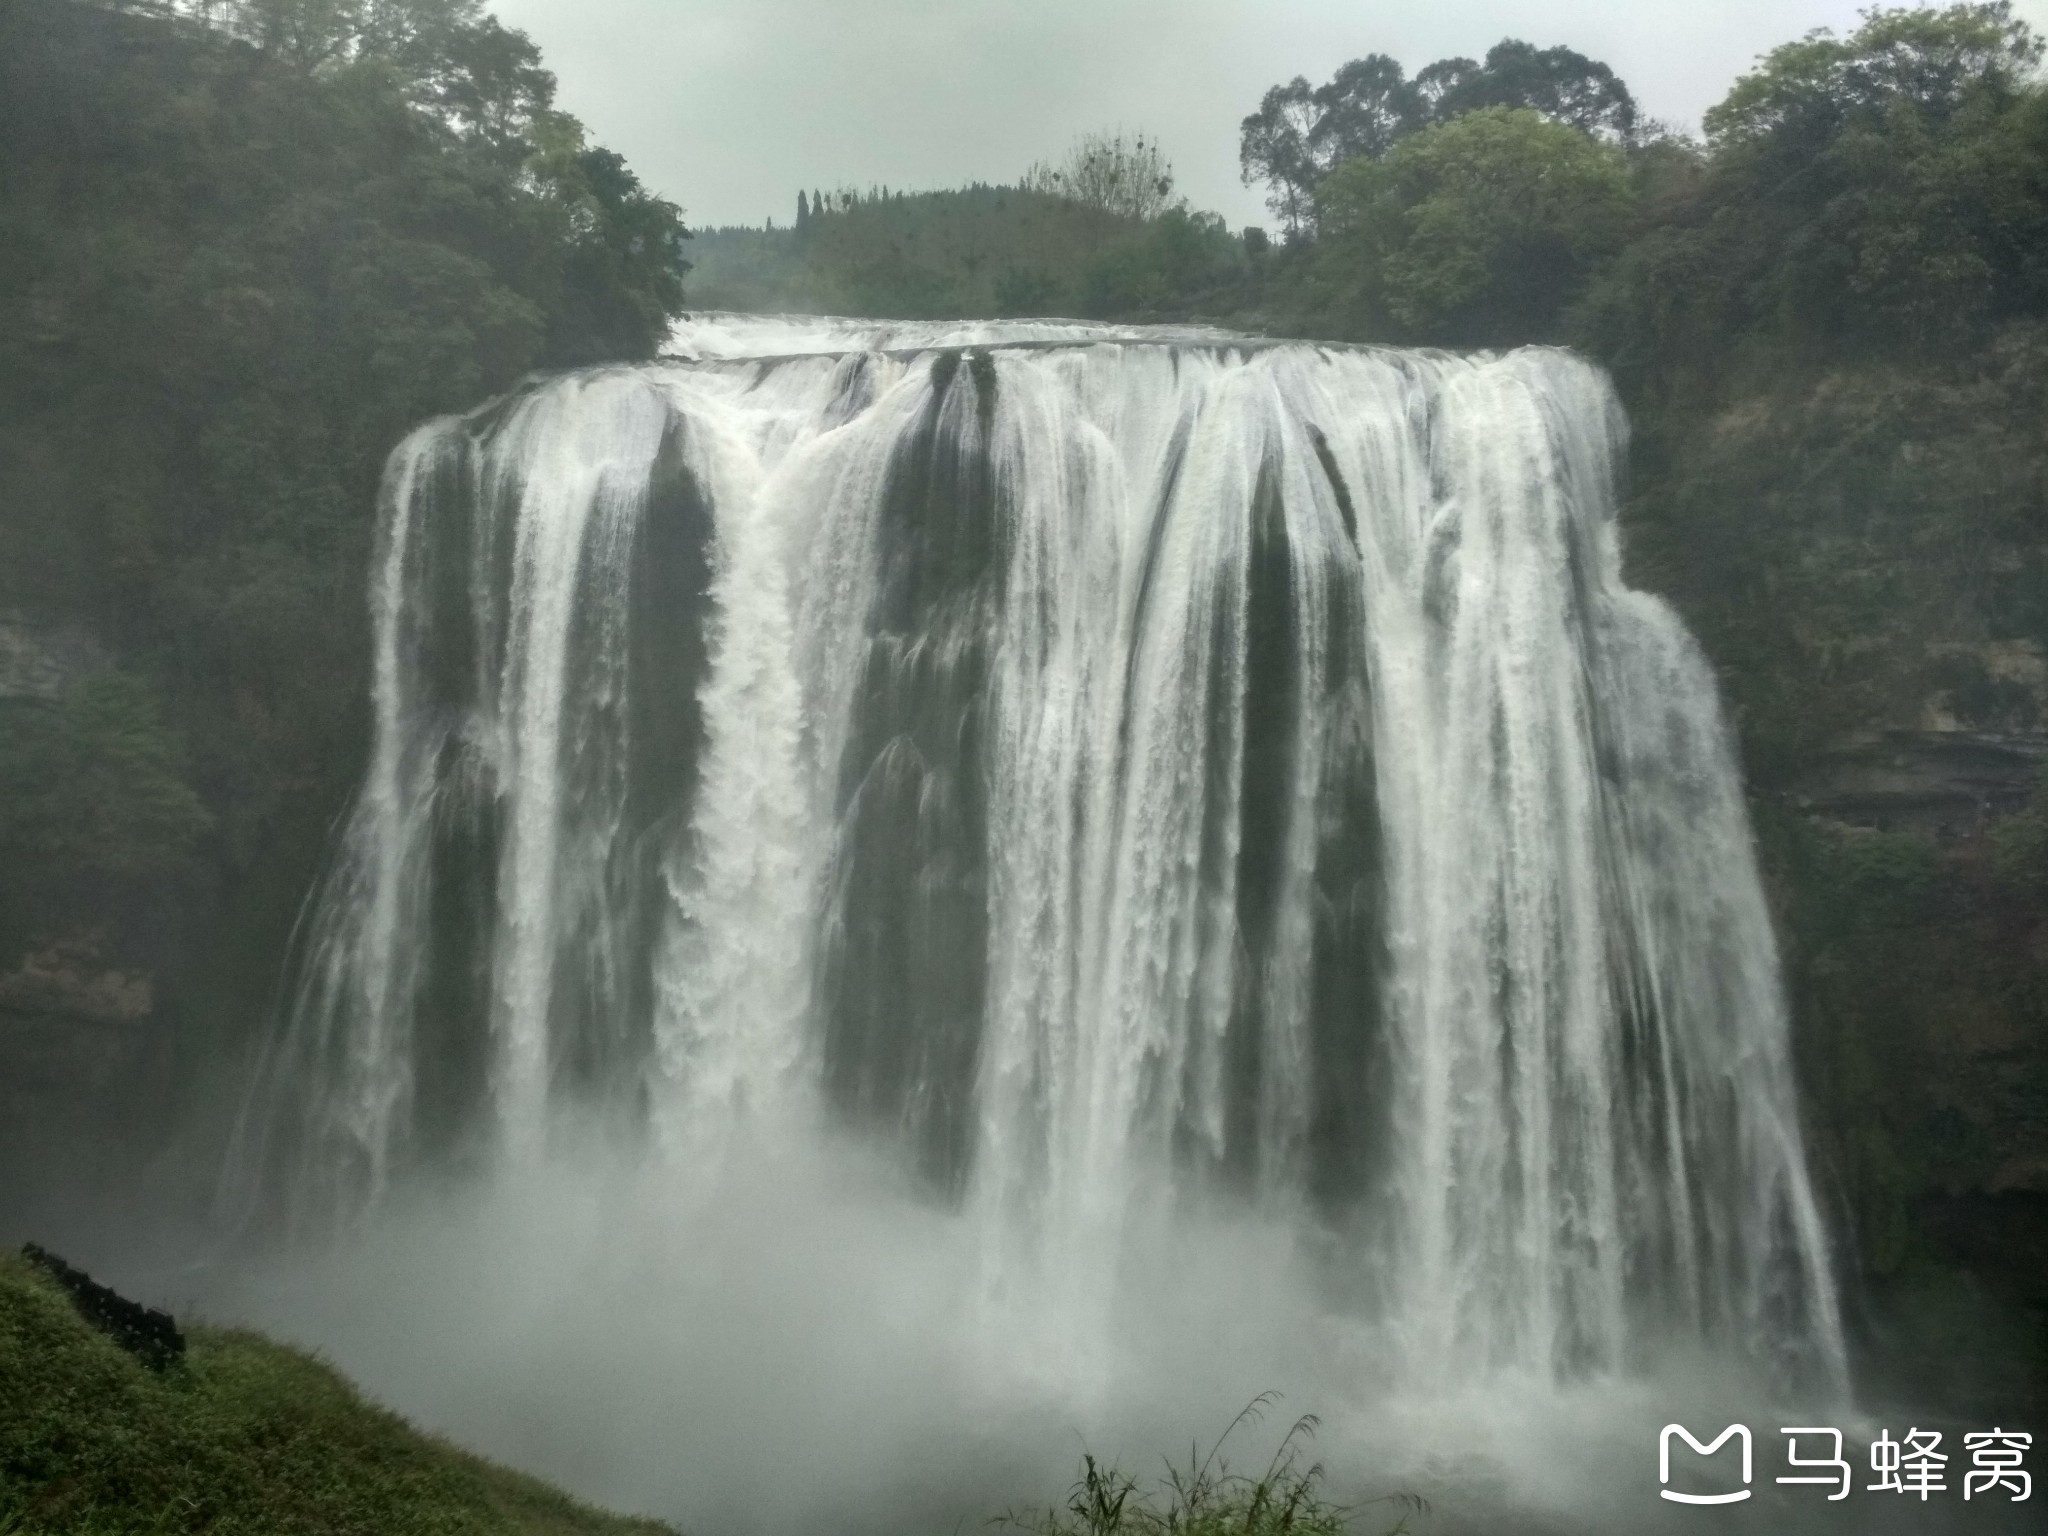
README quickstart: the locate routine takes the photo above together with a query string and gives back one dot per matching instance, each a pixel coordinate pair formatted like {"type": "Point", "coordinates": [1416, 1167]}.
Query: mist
{"type": "Point", "coordinates": [796, 1336]}
{"type": "Point", "coordinates": [836, 1272]}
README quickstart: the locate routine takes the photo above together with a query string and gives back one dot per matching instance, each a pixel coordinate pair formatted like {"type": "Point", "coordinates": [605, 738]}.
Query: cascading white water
{"type": "Point", "coordinates": [1126, 771]}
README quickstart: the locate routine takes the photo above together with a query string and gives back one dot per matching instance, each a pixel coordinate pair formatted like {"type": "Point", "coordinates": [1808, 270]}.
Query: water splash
{"type": "Point", "coordinates": [1123, 771]}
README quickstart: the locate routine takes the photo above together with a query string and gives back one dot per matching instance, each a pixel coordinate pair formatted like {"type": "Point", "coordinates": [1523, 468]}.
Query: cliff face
{"type": "Point", "coordinates": [1951, 782]}
{"type": "Point", "coordinates": [1919, 836]}
{"type": "Point", "coordinates": [1862, 551]}
{"type": "Point", "coordinates": [1916, 956]}
{"type": "Point", "coordinates": [82, 1064]}
{"type": "Point", "coordinates": [41, 660]}
{"type": "Point", "coordinates": [87, 1047]}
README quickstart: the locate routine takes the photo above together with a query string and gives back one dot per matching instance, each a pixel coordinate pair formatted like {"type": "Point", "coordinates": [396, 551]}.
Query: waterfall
{"type": "Point", "coordinates": [1119, 770]}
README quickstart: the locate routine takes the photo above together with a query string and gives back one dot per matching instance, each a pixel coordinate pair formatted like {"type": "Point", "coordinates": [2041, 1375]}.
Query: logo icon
{"type": "Point", "coordinates": [1664, 1463]}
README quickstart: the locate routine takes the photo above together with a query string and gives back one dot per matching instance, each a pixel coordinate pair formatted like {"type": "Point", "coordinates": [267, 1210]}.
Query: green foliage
{"type": "Point", "coordinates": [1206, 1498]}
{"type": "Point", "coordinates": [1125, 178]}
{"type": "Point", "coordinates": [238, 262]}
{"type": "Point", "coordinates": [1162, 271]}
{"type": "Point", "coordinates": [1477, 232]}
{"type": "Point", "coordinates": [1561, 83]}
{"type": "Point", "coordinates": [1917, 984]}
{"type": "Point", "coordinates": [1880, 880]}
{"type": "Point", "coordinates": [1930, 63]}
{"type": "Point", "coordinates": [1883, 189]}
{"type": "Point", "coordinates": [979, 250]}
{"type": "Point", "coordinates": [1299, 134]}
{"type": "Point", "coordinates": [1888, 187]}
{"type": "Point", "coordinates": [94, 782]}
{"type": "Point", "coordinates": [759, 271]}
{"type": "Point", "coordinates": [1829, 334]}
{"type": "Point", "coordinates": [1862, 964]}
{"type": "Point", "coordinates": [622, 260]}
{"type": "Point", "coordinates": [244, 1437]}
{"type": "Point", "coordinates": [1832, 532]}
{"type": "Point", "coordinates": [2019, 846]}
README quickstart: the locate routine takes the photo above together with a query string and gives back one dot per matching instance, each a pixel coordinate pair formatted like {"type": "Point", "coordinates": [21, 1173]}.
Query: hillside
{"type": "Point", "coordinates": [245, 1435]}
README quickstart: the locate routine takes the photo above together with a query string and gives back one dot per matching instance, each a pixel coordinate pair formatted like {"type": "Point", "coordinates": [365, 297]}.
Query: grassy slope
{"type": "Point", "coordinates": [245, 1437]}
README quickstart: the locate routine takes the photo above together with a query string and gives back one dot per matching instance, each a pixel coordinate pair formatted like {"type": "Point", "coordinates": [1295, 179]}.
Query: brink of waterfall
{"type": "Point", "coordinates": [1118, 772]}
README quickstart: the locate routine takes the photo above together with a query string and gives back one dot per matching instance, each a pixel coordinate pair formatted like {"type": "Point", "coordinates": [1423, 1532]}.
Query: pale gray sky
{"type": "Point", "coordinates": [729, 106]}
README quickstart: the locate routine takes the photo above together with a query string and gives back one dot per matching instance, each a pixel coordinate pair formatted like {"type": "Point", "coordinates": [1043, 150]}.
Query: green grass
{"type": "Point", "coordinates": [245, 1438]}
{"type": "Point", "coordinates": [1206, 1498]}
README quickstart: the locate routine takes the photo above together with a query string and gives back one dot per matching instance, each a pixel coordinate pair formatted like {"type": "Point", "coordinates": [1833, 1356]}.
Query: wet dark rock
{"type": "Point", "coordinates": [1950, 783]}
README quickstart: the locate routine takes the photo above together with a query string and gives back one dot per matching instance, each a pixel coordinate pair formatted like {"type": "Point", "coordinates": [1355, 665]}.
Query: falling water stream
{"type": "Point", "coordinates": [1122, 782]}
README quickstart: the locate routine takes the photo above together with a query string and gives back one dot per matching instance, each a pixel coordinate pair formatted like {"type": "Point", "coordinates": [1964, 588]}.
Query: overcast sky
{"type": "Point", "coordinates": [729, 106]}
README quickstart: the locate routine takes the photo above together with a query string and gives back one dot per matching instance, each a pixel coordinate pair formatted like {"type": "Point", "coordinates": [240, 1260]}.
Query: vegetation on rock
{"type": "Point", "coordinates": [244, 247]}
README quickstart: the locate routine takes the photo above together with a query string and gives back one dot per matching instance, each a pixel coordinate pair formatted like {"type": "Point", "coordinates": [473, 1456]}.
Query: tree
{"type": "Point", "coordinates": [1443, 81]}
{"type": "Point", "coordinates": [1560, 83]}
{"type": "Point", "coordinates": [1930, 62]}
{"type": "Point", "coordinates": [623, 265]}
{"type": "Point", "coordinates": [449, 58]}
{"type": "Point", "coordinates": [1154, 270]}
{"type": "Point", "coordinates": [1891, 185]}
{"type": "Point", "coordinates": [1366, 106]}
{"type": "Point", "coordinates": [1298, 134]}
{"type": "Point", "coordinates": [1127, 178]}
{"type": "Point", "coordinates": [1477, 231]}
{"type": "Point", "coordinates": [452, 59]}
{"type": "Point", "coordinates": [1274, 147]}
{"type": "Point", "coordinates": [1301, 134]}
{"type": "Point", "coordinates": [618, 248]}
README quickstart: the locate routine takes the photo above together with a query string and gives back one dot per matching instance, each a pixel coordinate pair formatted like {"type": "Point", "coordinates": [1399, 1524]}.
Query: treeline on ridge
{"type": "Point", "coordinates": [1097, 233]}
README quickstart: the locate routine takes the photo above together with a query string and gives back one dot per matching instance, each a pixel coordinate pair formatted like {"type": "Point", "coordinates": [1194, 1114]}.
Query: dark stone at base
{"type": "Point", "coordinates": [149, 1335]}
